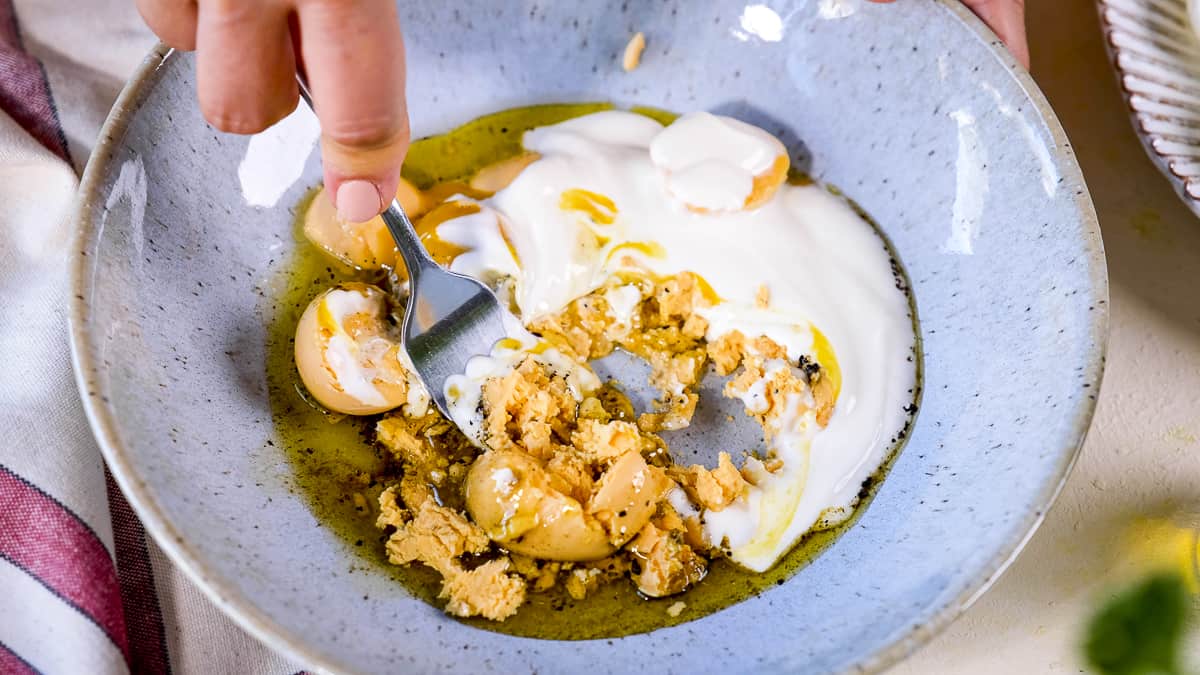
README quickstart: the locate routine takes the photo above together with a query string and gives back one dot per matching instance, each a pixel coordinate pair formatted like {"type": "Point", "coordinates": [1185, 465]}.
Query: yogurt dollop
{"type": "Point", "coordinates": [616, 191]}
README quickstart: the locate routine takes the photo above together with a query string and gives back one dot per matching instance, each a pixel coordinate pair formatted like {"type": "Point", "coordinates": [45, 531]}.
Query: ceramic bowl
{"type": "Point", "coordinates": [912, 109]}
{"type": "Point", "coordinates": [1156, 53]}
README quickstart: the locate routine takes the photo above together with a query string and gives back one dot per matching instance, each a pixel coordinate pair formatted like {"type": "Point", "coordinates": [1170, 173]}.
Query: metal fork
{"type": "Point", "coordinates": [450, 317]}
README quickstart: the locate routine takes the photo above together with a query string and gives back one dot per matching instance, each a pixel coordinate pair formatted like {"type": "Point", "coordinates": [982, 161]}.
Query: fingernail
{"type": "Point", "coordinates": [358, 201]}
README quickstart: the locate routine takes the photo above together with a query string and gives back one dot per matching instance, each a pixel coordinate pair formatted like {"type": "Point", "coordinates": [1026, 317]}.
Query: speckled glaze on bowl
{"type": "Point", "coordinates": [911, 108]}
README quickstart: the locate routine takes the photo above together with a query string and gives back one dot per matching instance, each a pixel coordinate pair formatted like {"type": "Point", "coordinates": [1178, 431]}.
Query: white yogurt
{"type": "Point", "coordinates": [825, 266]}
{"type": "Point", "coordinates": [710, 162]}
{"type": "Point", "coordinates": [345, 357]}
{"type": "Point", "coordinates": [622, 301]}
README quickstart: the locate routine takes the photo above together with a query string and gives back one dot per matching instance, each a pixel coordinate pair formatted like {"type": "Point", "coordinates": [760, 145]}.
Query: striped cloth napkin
{"type": "Point", "coordinates": [82, 588]}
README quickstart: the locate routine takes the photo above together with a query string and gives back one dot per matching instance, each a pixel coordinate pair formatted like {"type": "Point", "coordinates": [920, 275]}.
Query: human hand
{"type": "Point", "coordinates": [1006, 18]}
{"type": "Point", "coordinates": [352, 53]}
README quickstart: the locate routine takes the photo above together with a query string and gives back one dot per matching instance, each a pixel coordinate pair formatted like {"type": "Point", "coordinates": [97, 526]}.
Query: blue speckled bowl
{"type": "Point", "coordinates": [911, 108]}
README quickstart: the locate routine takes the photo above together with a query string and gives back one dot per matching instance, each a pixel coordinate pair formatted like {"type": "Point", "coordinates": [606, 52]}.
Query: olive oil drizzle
{"type": "Point", "coordinates": [336, 465]}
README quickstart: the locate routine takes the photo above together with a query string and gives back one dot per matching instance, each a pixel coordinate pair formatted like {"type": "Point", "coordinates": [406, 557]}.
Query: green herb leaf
{"type": "Point", "coordinates": [1139, 631]}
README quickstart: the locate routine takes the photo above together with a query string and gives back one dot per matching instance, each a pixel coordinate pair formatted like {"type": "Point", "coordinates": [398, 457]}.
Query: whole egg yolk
{"type": "Point", "coordinates": [368, 245]}
{"type": "Point", "coordinates": [348, 354]}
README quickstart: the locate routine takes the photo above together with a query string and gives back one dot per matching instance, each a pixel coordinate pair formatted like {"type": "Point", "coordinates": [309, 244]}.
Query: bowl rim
{"type": "Point", "coordinates": [249, 617]}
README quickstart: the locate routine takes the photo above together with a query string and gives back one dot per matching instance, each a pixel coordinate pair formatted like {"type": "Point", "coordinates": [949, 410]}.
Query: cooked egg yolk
{"type": "Point", "coordinates": [349, 356]}
{"type": "Point", "coordinates": [366, 245]}
{"type": "Point", "coordinates": [510, 496]}
{"type": "Point", "coordinates": [442, 251]}
{"type": "Point", "coordinates": [496, 176]}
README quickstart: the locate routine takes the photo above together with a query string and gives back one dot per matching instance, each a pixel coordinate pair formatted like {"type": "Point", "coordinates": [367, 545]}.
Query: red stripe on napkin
{"type": "Point", "coordinates": [13, 664]}
{"type": "Point", "coordinates": [143, 616]}
{"type": "Point", "coordinates": [24, 92]}
{"type": "Point", "coordinates": [54, 546]}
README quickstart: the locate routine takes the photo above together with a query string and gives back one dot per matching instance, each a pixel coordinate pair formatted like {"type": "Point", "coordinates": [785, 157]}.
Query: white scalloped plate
{"type": "Point", "coordinates": [1157, 57]}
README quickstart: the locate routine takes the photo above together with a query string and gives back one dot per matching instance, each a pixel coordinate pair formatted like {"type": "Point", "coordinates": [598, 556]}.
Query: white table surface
{"type": "Point", "coordinates": [1142, 456]}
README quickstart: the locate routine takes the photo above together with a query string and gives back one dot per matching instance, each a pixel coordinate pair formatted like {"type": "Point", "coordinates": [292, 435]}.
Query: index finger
{"type": "Point", "coordinates": [353, 56]}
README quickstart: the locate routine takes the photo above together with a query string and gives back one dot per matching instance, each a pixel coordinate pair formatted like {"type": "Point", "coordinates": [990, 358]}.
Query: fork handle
{"type": "Point", "coordinates": [407, 240]}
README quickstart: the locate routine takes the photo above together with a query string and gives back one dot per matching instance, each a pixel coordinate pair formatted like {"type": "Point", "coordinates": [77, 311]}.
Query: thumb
{"type": "Point", "coordinates": [354, 58]}
{"type": "Point", "coordinates": [362, 168]}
